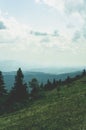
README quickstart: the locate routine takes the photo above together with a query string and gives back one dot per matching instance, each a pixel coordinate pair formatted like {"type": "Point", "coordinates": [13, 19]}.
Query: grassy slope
{"type": "Point", "coordinates": [67, 112]}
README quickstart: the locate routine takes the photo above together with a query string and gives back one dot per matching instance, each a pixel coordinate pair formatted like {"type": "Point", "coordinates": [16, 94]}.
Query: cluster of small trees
{"type": "Point", "coordinates": [51, 85]}
{"type": "Point", "coordinates": [56, 83]}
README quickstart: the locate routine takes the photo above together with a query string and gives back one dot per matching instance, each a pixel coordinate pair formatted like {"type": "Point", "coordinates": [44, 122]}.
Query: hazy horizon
{"type": "Point", "coordinates": [9, 66]}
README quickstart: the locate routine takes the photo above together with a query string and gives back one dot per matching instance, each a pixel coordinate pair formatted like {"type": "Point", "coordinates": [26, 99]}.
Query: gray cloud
{"type": "Point", "coordinates": [75, 6]}
{"type": "Point", "coordinates": [84, 30]}
{"type": "Point", "coordinates": [39, 33]}
{"type": "Point", "coordinates": [54, 34]}
{"type": "Point", "coordinates": [2, 26]}
{"type": "Point", "coordinates": [77, 36]}
{"type": "Point", "coordinates": [72, 8]}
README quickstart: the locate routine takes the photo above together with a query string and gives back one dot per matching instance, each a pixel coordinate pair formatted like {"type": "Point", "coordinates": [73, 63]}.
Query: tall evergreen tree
{"type": "Point", "coordinates": [19, 91]}
{"type": "Point", "coordinates": [2, 86]}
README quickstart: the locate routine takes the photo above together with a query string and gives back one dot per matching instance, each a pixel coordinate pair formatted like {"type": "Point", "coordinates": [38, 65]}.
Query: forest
{"type": "Point", "coordinates": [22, 93]}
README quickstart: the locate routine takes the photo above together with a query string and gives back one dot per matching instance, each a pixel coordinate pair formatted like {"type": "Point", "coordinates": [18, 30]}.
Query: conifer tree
{"type": "Point", "coordinates": [2, 86]}
{"type": "Point", "coordinates": [34, 85]}
{"type": "Point", "coordinates": [54, 84]}
{"type": "Point", "coordinates": [19, 91]}
{"type": "Point", "coordinates": [84, 72]}
{"type": "Point", "coordinates": [48, 85]}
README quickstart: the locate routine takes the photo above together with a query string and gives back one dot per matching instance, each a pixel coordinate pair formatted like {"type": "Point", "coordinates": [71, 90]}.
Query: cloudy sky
{"type": "Point", "coordinates": [42, 33]}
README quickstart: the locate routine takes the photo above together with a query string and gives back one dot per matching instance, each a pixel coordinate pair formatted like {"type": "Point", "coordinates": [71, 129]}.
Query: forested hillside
{"type": "Point", "coordinates": [59, 109]}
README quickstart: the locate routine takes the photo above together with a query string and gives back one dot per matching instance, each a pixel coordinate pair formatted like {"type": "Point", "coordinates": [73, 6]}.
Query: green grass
{"type": "Point", "coordinates": [53, 112]}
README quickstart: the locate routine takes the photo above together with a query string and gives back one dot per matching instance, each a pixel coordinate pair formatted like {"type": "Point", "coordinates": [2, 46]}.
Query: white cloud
{"type": "Point", "coordinates": [17, 42]}
{"type": "Point", "coordinates": [72, 5]}
{"type": "Point", "coordinates": [62, 4]}
{"type": "Point", "coordinates": [71, 15]}
{"type": "Point", "coordinates": [37, 1]}
{"type": "Point", "coordinates": [57, 4]}
{"type": "Point", "coordinates": [14, 30]}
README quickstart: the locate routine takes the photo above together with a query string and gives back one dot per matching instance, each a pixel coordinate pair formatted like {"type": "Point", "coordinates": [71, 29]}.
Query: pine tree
{"type": "Point", "coordinates": [84, 72]}
{"type": "Point", "coordinates": [54, 84]}
{"type": "Point", "coordinates": [48, 85]}
{"type": "Point", "coordinates": [19, 91]}
{"type": "Point", "coordinates": [68, 80]}
{"type": "Point", "coordinates": [34, 85]}
{"type": "Point", "coordinates": [41, 86]}
{"type": "Point", "coordinates": [2, 86]}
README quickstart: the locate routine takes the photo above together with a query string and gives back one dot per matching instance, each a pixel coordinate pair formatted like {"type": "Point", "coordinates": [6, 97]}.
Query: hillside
{"type": "Point", "coordinates": [64, 112]}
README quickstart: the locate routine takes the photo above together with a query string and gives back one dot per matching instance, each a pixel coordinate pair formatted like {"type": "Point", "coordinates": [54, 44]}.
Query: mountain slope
{"type": "Point", "coordinates": [64, 112]}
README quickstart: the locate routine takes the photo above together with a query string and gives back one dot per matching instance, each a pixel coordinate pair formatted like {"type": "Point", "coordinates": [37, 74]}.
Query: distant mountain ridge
{"type": "Point", "coordinates": [9, 77]}
{"type": "Point", "coordinates": [57, 70]}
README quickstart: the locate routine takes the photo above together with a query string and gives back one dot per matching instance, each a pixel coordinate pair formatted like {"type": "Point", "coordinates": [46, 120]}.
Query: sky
{"type": "Point", "coordinates": [42, 33]}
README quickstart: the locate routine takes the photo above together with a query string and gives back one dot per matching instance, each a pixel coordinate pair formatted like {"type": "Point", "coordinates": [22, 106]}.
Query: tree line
{"type": "Point", "coordinates": [19, 92]}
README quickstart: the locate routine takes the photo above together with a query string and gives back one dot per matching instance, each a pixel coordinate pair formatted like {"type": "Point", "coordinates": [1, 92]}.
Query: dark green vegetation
{"type": "Point", "coordinates": [42, 77]}
{"type": "Point", "coordinates": [2, 87]}
{"type": "Point", "coordinates": [61, 108]}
